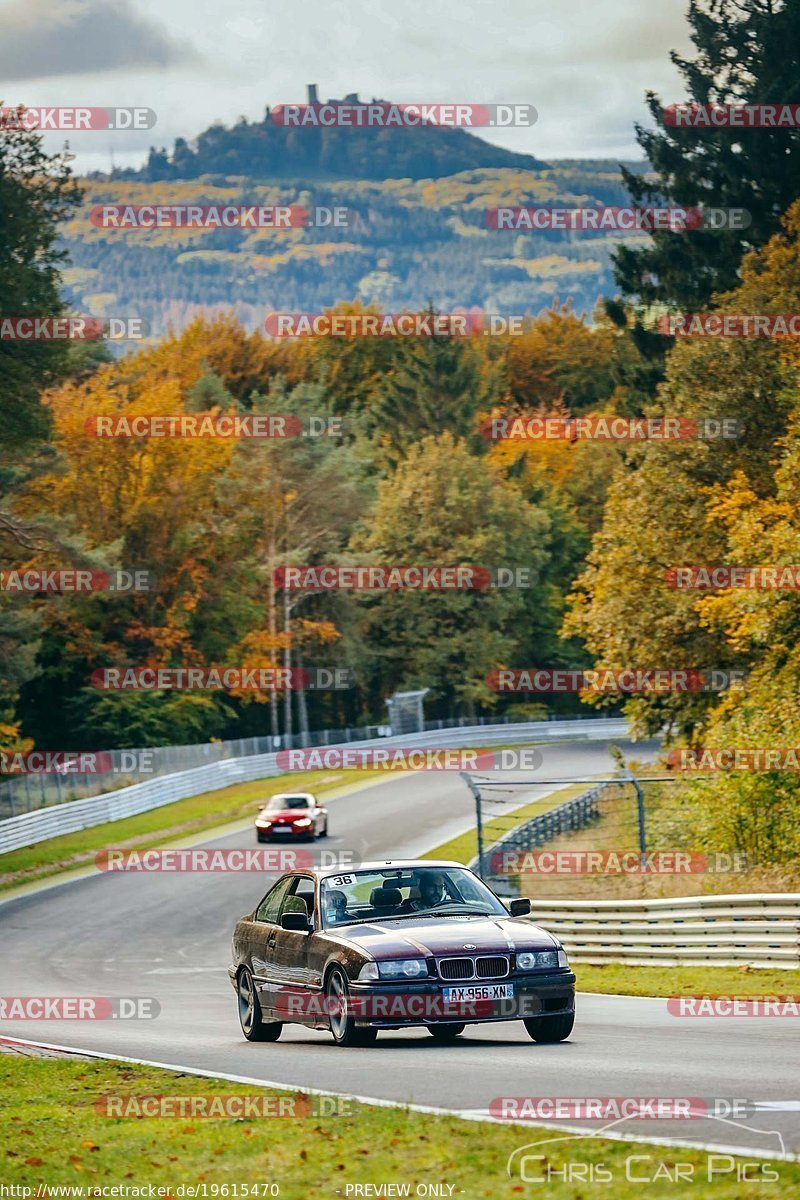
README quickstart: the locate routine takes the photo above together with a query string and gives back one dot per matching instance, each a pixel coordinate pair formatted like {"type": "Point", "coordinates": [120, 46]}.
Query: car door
{"type": "Point", "coordinates": [291, 967]}
{"type": "Point", "coordinates": [262, 939]}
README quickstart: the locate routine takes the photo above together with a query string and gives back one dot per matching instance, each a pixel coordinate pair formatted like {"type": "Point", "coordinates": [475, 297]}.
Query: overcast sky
{"type": "Point", "coordinates": [584, 64]}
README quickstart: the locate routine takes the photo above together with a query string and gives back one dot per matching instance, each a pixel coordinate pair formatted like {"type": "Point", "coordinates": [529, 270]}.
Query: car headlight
{"type": "Point", "coordinates": [539, 960]}
{"type": "Point", "coordinates": [403, 968]}
{"type": "Point", "coordinates": [263, 823]}
{"type": "Point", "coordinates": [368, 972]}
{"type": "Point", "coordinates": [562, 958]}
{"type": "Point", "coordinates": [302, 821]}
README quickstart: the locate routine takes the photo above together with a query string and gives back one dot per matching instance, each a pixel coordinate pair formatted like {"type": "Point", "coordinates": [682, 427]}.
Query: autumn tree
{"type": "Point", "coordinates": [436, 384]}
{"type": "Point", "coordinates": [36, 192]}
{"type": "Point", "coordinates": [442, 506]}
{"type": "Point", "coordinates": [747, 52]}
{"type": "Point", "coordinates": [671, 503]}
{"type": "Point", "coordinates": [291, 501]}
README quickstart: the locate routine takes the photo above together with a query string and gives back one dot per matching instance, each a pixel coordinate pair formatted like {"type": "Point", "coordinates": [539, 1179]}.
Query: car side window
{"type": "Point", "coordinates": [270, 906]}
{"type": "Point", "coordinates": [300, 897]}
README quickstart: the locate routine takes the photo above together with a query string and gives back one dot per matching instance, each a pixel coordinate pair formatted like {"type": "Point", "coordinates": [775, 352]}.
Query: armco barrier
{"type": "Point", "coordinates": [29, 828]}
{"type": "Point", "coordinates": [25, 793]}
{"type": "Point", "coordinates": [711, 931]}
{"type": "Point", "coordinates": [564, 818]}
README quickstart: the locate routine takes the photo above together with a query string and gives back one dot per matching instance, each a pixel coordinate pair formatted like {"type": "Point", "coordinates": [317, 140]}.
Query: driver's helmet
{"type": "Point", "coordinates": [431, 887]}
{"type": "Point", "coordinates": [335, 905]}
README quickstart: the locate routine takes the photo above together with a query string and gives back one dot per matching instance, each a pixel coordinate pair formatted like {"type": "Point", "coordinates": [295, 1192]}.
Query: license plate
{"type": "Point", "coordinates": [480, 991]}
{"type": "Point", "coordinates": [281, 829]}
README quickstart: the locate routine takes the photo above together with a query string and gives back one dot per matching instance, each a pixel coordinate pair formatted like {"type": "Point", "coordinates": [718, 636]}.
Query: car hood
{"type": "Point", "coordinates": [445, 935]}
{"type": "Point", "coordinates": [293, 814]}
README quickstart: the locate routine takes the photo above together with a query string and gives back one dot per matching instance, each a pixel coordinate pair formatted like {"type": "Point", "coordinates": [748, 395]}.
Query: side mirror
{"type": "Point", "coordinates": [519, 908]}
{"type": "Point", "coordinates": [296, 921]}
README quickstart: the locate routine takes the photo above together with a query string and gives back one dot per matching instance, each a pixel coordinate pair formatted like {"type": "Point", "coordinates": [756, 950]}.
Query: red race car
{"type": "Point", "coordinates": [292, 816]}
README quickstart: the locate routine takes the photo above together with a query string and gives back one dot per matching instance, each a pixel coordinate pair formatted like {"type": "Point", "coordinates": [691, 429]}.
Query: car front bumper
{"type": "Point", "coordinates": [402, 1005]}
{"type": "Point", "coordinates": [290, 835]}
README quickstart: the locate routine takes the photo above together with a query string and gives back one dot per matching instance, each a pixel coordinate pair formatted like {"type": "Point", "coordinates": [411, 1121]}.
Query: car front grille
{"type": "Point", "coordinates": [495, 966]}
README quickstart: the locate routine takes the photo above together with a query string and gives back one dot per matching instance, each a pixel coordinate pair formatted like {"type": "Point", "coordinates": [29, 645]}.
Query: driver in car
{"type": "Point", "coordinates": [431, 891]}
{"type": "Point", "coordinates": [335, 906]}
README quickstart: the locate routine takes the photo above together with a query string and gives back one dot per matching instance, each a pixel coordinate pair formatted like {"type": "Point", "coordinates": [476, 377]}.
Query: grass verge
{"type": "Point", "coordinates": [54, 1135]}
{"type": "Point", "coordinates": [621, 980]}
{"type": "Point", "coordinates": [181, 819]}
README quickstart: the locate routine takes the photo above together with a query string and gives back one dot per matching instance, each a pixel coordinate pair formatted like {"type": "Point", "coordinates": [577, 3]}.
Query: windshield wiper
{"type": "Point", "coordinates": [428, 913]}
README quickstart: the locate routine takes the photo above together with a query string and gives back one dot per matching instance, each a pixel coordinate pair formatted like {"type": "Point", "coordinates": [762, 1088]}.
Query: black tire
{"type": "Point", "coordinates": [445, 1033]}
{"type": "Point", "coordinates": [325, 829]}
{"type": "Point", "coordinates": [550, 1029]}
{"type": "Point", "coordinates": [251, 1019]}
{"type": "Point", "coordinates": [262, 839]}
{"type": "Point", "coordinates": [344, 1030]}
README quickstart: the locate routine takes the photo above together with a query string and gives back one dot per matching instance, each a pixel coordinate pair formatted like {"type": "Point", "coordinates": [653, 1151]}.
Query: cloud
{"type": "Point", "coordinates": [46, 38]}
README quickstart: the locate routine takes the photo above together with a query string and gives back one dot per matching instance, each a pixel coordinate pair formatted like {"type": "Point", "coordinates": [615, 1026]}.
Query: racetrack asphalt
{"type": "Point", "coordinates": [167, 936]}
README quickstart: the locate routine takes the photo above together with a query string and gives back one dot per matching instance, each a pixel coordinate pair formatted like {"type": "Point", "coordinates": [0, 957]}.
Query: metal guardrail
{"type": "Point", "coordinates": [32, 827]}
{"type": "Point", "coordinates": [712, 931]}
{"type": "Point", "coordinates": [722, 931]}
{"type": "Point", "coordinates": [25, 793]}
{"type": "Point", "coordinates": [564, 818]}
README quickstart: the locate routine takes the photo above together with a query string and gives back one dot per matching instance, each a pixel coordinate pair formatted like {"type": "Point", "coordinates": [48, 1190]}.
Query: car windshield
{"type": "Point", "coordinates": [278, 803]}
{"type": "Point", "coordinates": [402, 894]}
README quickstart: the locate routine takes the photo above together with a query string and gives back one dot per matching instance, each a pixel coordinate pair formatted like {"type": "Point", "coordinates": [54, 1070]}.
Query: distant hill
{"type": "Point", "coordinates": [412, 242]}
{"type": "Point", "coordinates": [265, 151]}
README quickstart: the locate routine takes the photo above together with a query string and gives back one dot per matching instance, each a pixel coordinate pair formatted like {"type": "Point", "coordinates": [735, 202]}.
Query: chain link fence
{"type": "Point", "coordinates": [572, 815]}
{"type": "Point", "coordinates": [26, 793]}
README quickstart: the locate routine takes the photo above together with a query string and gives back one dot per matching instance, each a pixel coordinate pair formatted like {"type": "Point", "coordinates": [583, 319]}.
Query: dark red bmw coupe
{"type": "Point", "coordinates": [392, 945]}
